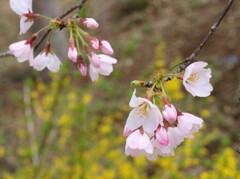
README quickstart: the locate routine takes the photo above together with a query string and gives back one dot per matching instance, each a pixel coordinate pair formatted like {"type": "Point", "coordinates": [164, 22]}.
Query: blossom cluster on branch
{"type": "Point", "coordinates": [151, 132]}
{"type": "Point", "coordinates": [82, 45]}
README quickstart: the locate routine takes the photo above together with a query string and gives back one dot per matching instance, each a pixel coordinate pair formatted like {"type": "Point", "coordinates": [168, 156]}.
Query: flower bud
{"type": "Point", "coordinates": [161, 136]}
{"type": "Point", "coordinates": [170, 113]}
{"type": "Point", "coordinates": [106, 47]}
{"type": "Point", "coordinates": [93, 41]}
{"type": "Point", "coordinates": [72, 52]}
{"type": "Point", "coordinates": [90, 23]}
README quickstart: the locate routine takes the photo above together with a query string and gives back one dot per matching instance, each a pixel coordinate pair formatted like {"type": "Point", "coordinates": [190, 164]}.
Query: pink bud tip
{"type": "Point", "coordinates": [161, 136]}
{"type": "Point", "coordinates": [106, 47]}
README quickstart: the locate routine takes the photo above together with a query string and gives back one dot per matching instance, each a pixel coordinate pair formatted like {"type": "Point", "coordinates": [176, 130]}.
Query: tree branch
{"type": "Point", "coordinates": [78, 6]}
{"type": "Point", "coordinates": [190, 59]}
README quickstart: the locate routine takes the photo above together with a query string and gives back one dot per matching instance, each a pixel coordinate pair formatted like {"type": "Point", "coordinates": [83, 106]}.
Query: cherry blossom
{"type": "Point", "coordinates": [189, 124]}
{"type": "Point", "coordinates": [24, 9]}
{"type": "Point", "coordinates": [22, 51]}
{"type": "Point", "coordinates": [105, 67]}
{"type": "Point", "coordinates": [138, 143]}
{"type": "Point", "coordinates": [106, 47]}
{"type": "Point", "coordinates": [46, 59]}
{"type": "Point", "coordinates": [196, 79]}
{"type": "Point", "coordinates": [94, 60]}
{"type": "Point", "coordinates": [144, 114]}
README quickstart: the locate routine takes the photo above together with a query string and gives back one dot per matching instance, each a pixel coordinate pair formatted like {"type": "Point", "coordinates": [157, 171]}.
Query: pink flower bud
{"type": "Point", "coordinates": [170, 113]}
{"type": "Point", "coordinates": [93, 41]}
{"type": "Point", "coordinates": [106, 47]}
{"type": "Point", "coordinates": [90, 23]}
{"type": "Point", "coordinates": [161, 136]}
{"type": "Point", "coordinates": [72, 52]}
{"type": "Point", "coordinates": [83, 69]}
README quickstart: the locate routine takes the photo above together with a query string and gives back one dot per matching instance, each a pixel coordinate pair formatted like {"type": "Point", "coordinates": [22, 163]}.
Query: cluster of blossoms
{"type": "Point", "coordinates": [151, 132]}
{"type": "Point", "coordinates": [82, 45]}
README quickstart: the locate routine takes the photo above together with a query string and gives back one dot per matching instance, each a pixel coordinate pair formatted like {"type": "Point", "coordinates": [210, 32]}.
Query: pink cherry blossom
{"type": "Point", "coordinates": [46, 59]}
{"type": "Point", "coordinates": [23, 8]}
{"type": "Point", "coordinates": [169, 113]}
{"type": "Point", "coordinates": [72, 52]}
{"type": "Point", "coordinates": [138, 143]}
{"type": "Point", "coordinates": [189, 124]}
{"type": "Point", "coordinates": [22, 51]}
{"type": "Point", "coordinates": [196, 79]}
{"type": "Point", "coordinates": [161, 136]}
{"type": "Point", "coordinates": [94, 60]}
{"type": "Point", "coordinates": [105, 67]}
{"type": "Point", "coordinates": [90, 23]}
{"type": "Point", "coordinates": [145, 114]}
{"type": "Point", "coordinates": [106, 47]}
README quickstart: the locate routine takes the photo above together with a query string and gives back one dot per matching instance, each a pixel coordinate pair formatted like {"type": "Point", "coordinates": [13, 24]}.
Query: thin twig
{"type": "Point", "coordinates": [6, 54]}
{"type": "Point", "coordinates": [190, 59]}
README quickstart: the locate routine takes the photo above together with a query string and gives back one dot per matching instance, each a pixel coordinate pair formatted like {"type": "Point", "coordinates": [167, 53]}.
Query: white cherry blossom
{"type": "Point", "coordinates": [137, 144]}
{"type": "Point", "coordinates": [145, 114]}
{"type": "Point", "coordinates": [24, 9]}
{"type": "Point", "coordinates": [196, 79]}
{"type": "Point", "coordinates": [105, 66]}
{"type": "Point", "coordinates": [22, 51]}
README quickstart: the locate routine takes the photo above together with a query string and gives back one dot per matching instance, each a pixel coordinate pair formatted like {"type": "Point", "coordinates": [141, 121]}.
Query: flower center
{"type": "Point", "coordinates": [193, 77]}
{"type": "Point", "coordinates": [143, 110]}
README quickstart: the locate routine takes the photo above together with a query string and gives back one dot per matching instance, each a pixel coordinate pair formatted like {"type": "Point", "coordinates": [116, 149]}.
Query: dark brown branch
{"type": "Point", "coordinates": [191, 58]}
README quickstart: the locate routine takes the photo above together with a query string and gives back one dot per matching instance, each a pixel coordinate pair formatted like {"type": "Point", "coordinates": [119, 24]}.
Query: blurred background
{"type": "Point", "coordinates": [64, 126]}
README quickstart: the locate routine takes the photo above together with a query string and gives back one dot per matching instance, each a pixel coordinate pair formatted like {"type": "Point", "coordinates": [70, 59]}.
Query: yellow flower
{"type": "Point", "coordinates": [2, 151]}
{"type": "Point", "coordinates": [87, 98]}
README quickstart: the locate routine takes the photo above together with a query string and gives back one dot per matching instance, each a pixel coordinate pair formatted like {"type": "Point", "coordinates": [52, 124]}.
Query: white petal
{"type": "Point", "coordinates": [53, 63]}
{"type": "Point", "coordinates": [135, 101]}
{"type": "Point", "coordinates": [20, 6]}
{"type": "Point", "coordinates": [107, 59]}
{"type": "Point", "coordinates": [105, 69]}
{"type": "Point", "coordinates": [153, 120]}
{"type": "Point", "coordinates": [40, 62]}
{"type": "Point", "coordinates": [174, 136]}
{"type": "Point", "coordinates": [93, 72]}
{"type": "Point", "coordinates": [134, 120]}
{"type": "Point", "coordinates": [25, 25]}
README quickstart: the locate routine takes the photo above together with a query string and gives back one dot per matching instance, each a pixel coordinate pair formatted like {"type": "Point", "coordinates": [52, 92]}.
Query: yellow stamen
{"type": "Point", "coordinates": [193, 77]}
